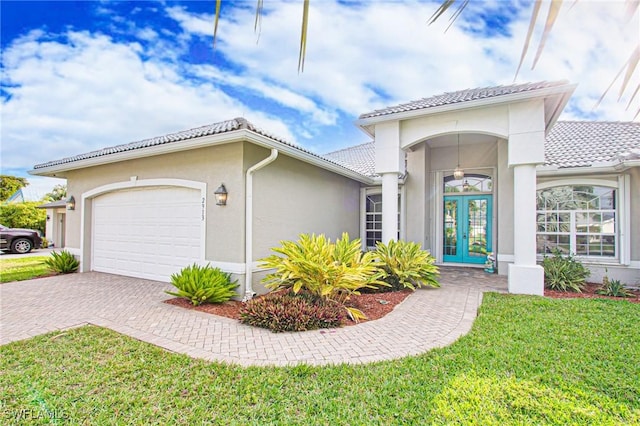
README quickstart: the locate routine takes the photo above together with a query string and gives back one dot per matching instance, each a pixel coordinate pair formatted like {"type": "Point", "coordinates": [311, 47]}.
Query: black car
{"type": "Point", "coordinates": [19, 240]}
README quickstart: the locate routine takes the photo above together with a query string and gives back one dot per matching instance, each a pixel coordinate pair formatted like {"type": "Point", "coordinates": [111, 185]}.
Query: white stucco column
{"type": "Point", "coordinates": [526, 149]}
{"type": "Point", "coordinates": [525, 277]}
{"type": "Point", "coordinates": [389, 207]}
{"type": "Point", "coordinates": [389, 165]}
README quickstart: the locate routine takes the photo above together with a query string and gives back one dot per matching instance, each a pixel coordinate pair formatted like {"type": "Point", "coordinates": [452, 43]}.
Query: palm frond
{"type": "Point", "coordinates": [303, 36]}
{"type": "Point", "coordinates": [456, 14]}
{"type": "Point", "coordinates": [216, 20]}
{"type": "Point", "coordinates": [554, 9]}
{"type": "Point", "coordinates": [532, 25]}
{"type": "Point", "coordinates": [446, 4]}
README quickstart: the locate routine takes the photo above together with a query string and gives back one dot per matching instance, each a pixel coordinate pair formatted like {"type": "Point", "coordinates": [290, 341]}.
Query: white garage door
{"type": "Point", "coordinates": [148, 233]}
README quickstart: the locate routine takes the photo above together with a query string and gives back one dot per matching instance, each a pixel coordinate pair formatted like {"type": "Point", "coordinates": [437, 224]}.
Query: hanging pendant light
{"type": "Point", "coordinates": [458, 173]}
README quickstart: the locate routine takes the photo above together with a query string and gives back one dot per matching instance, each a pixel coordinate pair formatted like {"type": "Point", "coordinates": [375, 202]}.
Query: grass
{"type": "Point", "coordinates": [527, 360]}
{"type": "Point", "coordinates": [24, 268]}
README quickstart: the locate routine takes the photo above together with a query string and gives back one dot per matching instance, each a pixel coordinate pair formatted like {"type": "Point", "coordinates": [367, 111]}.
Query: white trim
{"type": "Point", "coordinates": [623, 217]}
{"type": "Point", "coordinates": [119, 186]}
{"type": "Point", "coordinates": [564, 90]}
{"type": "Point", "coordinates": [505, 257]}
{"type": "Point", "coordinates": [601, 167]}
{"type": "Point", "coordinates": [229, 267]}
{"type": "Point", "coordinates": [376, 190]}
{"type": "Point", "coordinates": [576, 181]}
{"type": "Point", "coordinates": [437, 208]}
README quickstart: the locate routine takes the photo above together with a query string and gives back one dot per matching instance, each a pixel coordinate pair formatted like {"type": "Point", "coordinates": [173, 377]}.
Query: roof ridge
{"type": "Point", "coordinates": [463, 95]}
{"type": "Point", "coordinates": [349, 148]}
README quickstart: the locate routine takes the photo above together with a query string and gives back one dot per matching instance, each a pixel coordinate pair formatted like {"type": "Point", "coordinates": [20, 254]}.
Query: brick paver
{"type": "Point", "coordinates": [427, 319]}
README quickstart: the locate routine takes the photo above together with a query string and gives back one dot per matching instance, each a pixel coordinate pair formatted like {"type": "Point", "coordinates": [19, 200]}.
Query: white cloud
{"type": "Point", "coordinates": [369, 55]}
{"type": "Point", "coordinates": [79, 91]}
{"type": "Point", "coordinates": [85, 92]}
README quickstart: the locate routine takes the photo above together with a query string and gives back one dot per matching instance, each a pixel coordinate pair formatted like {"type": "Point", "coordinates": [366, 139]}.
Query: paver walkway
{"type": "Point", "coordinates": [427, 319]}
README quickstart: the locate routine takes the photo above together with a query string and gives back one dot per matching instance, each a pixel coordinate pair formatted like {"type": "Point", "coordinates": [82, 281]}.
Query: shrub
{"type": "Point", "coordinates": [614, 288]}
{"type": "Point", "coordinates": [333, 271]}
{"type": "Point", "coordinates": [201, 284]}
{"type": "Point", "coordinates": [62, 262]}
{"type": "Point", "coordinates": [24, 215]}
{"type": "Point", "coordinates": [289, 311]}
{"type": "Point", "coordinates": [564, 273]}
{"type": "Point", "coordinates": [404, 264]}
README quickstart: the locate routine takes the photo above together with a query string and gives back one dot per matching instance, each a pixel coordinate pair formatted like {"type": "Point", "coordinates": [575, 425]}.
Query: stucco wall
{"type": "Point", "coordinates": [291, 197]}
{"type": "Point", "coordinates": [418, 196]}
{"type": "Point", "coordinates": [211, 165]}
{"type": "Point", "coordinates": [421, 199]}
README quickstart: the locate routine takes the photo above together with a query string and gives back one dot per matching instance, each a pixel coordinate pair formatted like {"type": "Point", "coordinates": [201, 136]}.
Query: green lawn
{"type": "Point", "coordinates": [527, 360]}
{"type": "Point", "coordinates": [23, 268]}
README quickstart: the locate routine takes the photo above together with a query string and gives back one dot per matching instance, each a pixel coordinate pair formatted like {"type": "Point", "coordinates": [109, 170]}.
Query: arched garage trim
{"type": "Point", "coordinates": [88, 196]}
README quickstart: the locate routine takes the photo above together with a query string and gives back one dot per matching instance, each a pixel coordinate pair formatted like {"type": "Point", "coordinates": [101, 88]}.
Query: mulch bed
{"type": "Point", "coordinates": [374, 306]}
{"type": "Point", "coordinates": [589, 292]}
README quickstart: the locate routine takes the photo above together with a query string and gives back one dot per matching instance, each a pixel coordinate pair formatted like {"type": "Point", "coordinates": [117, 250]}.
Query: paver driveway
{"type": "Point", "coordinates": [426, 319]}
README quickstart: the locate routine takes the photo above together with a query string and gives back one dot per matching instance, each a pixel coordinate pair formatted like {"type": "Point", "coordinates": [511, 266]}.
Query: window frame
{"type": "Point", "coordinates": [364, 192]}
{"type": "Point", "coordinates": [621, 186]}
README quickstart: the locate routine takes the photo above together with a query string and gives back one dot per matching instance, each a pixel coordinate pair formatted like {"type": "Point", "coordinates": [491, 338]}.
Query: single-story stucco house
{"type": "Point", "coordinates": [463, 174]}
{"type": "Point", "coordinates": [56, 222]}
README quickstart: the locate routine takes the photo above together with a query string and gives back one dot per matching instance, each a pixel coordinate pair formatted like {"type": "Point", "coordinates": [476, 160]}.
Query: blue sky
{"type": "Point", "coordinates": [79, 76]}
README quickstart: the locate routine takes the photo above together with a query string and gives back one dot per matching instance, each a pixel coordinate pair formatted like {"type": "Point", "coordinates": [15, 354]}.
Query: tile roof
{"type": "Point", "coordinates": [359, 158]}
{"type": "Point", "coordinates": [585, 143]}
{"type": "Point", "coordinates": [211, 129]}
{"type": "Point", "coordinates": [569, 144]}
{"type": "Point", "coordinates": [459, 96]}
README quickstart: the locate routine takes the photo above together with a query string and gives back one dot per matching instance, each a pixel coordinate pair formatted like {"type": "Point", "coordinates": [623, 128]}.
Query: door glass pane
{"type": "Point", "coordinates": [477, 229]}
{"type": "Point", "coordinates": [450, 227]}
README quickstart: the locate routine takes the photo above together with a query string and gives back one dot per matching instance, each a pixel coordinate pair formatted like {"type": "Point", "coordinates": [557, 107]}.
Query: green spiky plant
{"type": "Point", "coordinates": [403, 264]}
{"type": "Point", "coordinates": [333, 271]}
{"type": "Point", "coordinates": [203, 284]}
{"type": "Point", "coordinates": [564, 273]}
{"type": "Point", "coordinates": [614, 288]}
{"type": "Point", "coordinates": [62, 262]}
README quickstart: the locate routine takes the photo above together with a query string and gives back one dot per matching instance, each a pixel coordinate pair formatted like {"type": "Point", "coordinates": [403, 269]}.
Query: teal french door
{"type": "Point", "coordinates": [467, 228]}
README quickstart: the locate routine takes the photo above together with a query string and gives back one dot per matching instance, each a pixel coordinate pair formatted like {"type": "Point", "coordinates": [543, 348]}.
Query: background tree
{"type": "Point", "coordinates": [59, 192]}
{"type": "Point", "coordinates": [9, 185]}
{"type": "Point", "coordinates": [24, 215]}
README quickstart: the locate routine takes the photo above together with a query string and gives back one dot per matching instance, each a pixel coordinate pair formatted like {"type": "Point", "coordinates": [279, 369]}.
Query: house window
{"type": "Point", "coordinates": [577, 219]}
{"type": "Point", "coordinates": [373, 220]}
{"type": "Point", "coordinates": [471, 182]}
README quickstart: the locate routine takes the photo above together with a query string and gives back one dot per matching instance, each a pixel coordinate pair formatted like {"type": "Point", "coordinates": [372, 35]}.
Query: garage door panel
{"type": "Point", "coordinates": [149, 233]}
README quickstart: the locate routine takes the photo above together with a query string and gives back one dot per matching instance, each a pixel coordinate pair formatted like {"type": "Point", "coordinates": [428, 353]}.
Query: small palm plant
{"type": "Point", "coordinates": [614, 288]}
{"type": "Point", "coordinates": [62, 262]}
{"type": "Point", "coordinates": [200, 284]}
{"type": "Point", "coordinates": [403, 264]}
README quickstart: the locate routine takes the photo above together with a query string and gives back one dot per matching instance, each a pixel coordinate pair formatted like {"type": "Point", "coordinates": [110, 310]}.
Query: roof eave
{"type": "Point", "coordinates": [239, 135]}
{"type": "Point", "coordinates": [565, 90]}
{"type": "Point", "coordinates": [603, 167]}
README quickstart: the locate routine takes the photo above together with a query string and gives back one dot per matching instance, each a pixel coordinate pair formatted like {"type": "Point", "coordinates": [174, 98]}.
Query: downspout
{"type": "Point", "coordinates": [248, 223]}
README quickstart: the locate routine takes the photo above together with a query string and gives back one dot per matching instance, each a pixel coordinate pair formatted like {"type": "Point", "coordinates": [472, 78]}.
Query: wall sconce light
{"type": "Point", "coordinates": [71, 203]}
{"type": "Point", "coordinates": [221, 195]}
